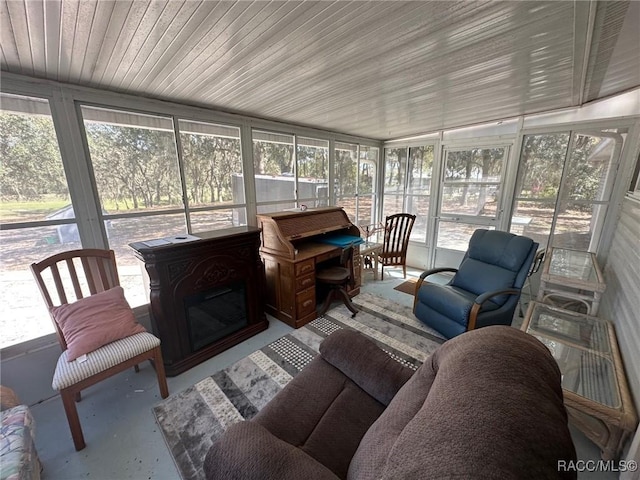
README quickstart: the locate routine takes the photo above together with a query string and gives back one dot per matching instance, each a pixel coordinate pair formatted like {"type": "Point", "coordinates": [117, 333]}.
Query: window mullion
{"type": "Point", "coordinates": [67, 121]}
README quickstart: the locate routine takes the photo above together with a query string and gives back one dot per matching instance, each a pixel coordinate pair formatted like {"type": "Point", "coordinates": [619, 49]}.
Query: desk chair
{"type": "Point", "coordinates": [102, 312]}
{"type": "Point", "coordinates": [338, 279]}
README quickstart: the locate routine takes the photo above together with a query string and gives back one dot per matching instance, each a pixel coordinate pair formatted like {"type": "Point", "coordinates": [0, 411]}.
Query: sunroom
{"type": "Point", "coordinates": [123, 122]}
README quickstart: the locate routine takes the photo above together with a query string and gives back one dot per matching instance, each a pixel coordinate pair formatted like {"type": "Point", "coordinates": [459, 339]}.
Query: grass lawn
{"type": "Point", "coordinates": [12, 211]}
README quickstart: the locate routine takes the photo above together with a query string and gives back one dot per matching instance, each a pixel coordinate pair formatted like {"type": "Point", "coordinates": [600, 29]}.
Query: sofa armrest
{"type": "Point", "coordinates": [365, 364]}
{"type": "Point", "coordinates": [247, 451]}
{"type": "Point", "coordinates": [8, 398]}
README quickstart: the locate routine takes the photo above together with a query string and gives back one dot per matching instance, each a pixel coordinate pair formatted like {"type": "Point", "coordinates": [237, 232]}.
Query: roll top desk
{"type": "Point", "coordinates": [293, 246]}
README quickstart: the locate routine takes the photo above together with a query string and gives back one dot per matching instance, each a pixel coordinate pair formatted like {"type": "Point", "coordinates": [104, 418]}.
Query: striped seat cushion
{"type": "Point", "coordinates": [69, 373]}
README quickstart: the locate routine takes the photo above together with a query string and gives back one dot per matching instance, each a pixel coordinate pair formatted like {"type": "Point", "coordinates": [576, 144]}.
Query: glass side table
{"type": "Point", "coordinates": [596, 392]}
{"type": "Point", "coordinates": [573, 275]}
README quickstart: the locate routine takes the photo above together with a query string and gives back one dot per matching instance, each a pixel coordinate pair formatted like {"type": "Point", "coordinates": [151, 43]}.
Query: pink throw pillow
{"type": "Point", "coordinates": [94, 321]}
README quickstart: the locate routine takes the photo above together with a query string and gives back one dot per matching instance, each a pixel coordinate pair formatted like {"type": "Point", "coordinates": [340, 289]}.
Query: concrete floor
{"type": "Point", "coordinates": [123, 439]}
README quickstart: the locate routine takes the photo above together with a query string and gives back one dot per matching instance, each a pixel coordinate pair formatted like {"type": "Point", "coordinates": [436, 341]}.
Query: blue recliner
{"type": "Point", "coordinates": [485, 288]}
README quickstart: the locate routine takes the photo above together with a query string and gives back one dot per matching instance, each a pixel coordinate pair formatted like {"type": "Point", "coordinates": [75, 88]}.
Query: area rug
{"type": "Point", "coordinates": [192, 419]}
{"type": "Point", "coordinates": [407, 287]}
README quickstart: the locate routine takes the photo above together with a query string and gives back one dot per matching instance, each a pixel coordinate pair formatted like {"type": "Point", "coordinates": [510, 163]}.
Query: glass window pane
{"type": "Point", "coordinates": [276, 207]}
{"type": "Point", "coordinates": [395, 163]}
{"type": "Point", "coordinates": [136, 229]}
{"type": "Point", "coordinates": [366, 210]}
{"type": "Point", "coordinates": [346, 169]}
{"type": "Point", "coordinates": [217, 219]}
{"type": "Point", "coordinates": [368, 170]}
{"type": "Point", "coordinates": [420, 170]}
{"type": "Point", "coordinates": [472, 179]}
{"type": "Point", "coordinates": [212, 163]}
{"type": "Point", "coordinates": [533, 220]}
{"type": "Point", "coordinates": [541, 164]}
{"type": "Point", "coordinates": [456, 235]}
{"type": "Point", "coordinates": [23, 314]}
{"type": "Point", "coordinates": [273, 163]}
{"type": "Point", "coordinates": [392, 204]}
{"type": "Point", "coordinates": [313, 171]}
{"type": "Point", "coordinates": [576, 224]}
{"type": "Point", "coordinates": [33, 188]}
{"type": "Point", "coordinates": [588, 167]}
{"type": "Point", "coordinates": [134, 160]}
{"type": "Point", "coordinates": [419, 206]}
{"type": "Point", "coordinates": [349, 205]}
{"type": "Point", "coordinates": [33, 185]}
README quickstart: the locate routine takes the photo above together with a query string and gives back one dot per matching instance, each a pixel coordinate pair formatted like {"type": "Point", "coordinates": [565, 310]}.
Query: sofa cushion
{"type": "Point", "coordinates": [492, 262]}
{"type": "Point", "coordinates": [477, 277]}
{"type": "Point", "coordinates": [379, 375]}
{"type": "Point", "coordinates": [248, 451]}
{"type": "Point", "coordinates": [503, 249]}
{"type": "Point", "coordinates": [452, 302]}
{"type": "Point", "coordinates": [315, 412]}
{"type": "Point", "coordinates": [484, 406]}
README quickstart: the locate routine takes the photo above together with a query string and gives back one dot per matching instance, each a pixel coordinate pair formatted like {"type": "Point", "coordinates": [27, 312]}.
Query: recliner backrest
{"type": "Point", "coordinates": [495, 260]}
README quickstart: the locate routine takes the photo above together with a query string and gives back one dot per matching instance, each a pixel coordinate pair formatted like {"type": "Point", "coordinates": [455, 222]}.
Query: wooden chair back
{"type": "Point", "coordinates": [74, 275]}
{"type": "Point", "coordinates": [397, 229]}
{"type": "Point", "coordinates": [346, 260]}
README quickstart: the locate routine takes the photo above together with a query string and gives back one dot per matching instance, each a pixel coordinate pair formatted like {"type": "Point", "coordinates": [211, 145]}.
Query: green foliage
{"type": "Point", "coordinates": [209, 163]}
{"type": "Point", "coordinates": [134, 165]}
{"type": "Point", "coordinates": [272, 158]}
{"type": "Point", "coordinates": [31, 166]}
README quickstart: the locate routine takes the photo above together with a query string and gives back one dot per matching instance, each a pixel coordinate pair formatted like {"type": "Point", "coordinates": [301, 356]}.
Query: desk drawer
{"type": "Point", "coordinates": [305, 302]}
{"type": "Point", "coordinates": [306, 281]}
{"type": "Point", "coordinates": [305, 267]}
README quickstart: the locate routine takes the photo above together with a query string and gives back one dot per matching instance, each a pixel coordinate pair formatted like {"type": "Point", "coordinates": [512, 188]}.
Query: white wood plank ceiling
{"type": "Point", "coordinates": [383, 69]}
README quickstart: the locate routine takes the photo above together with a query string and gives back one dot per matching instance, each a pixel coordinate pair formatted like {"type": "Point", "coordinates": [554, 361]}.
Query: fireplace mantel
{"type": "Point", "coordinates": [222, 266]}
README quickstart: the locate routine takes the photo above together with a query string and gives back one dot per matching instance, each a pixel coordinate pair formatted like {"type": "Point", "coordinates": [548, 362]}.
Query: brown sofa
{"type": "Point", "coordinates": [487, 404]}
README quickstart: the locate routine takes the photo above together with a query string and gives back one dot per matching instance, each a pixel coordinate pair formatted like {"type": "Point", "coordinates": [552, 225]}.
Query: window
{"type": "Point", "coordinates": [36, 215]}
{"type": "Point", "coordinates": [471, 191]}
{"type": "Point", "coordinates": [212, 164]}
{"type": "Point", "coordinates": [564, 185]}
{"type": "Point", "coordinates": [144, 193]}
{"type": "Point", "coordinates": [312, 171]}
{"type": "Point", "coordinates": [273, 163]}
{"type": "Point", "coordinates": [355, 172]}
{"type": "Point", "coordinates": [420, 169]}
{"type": "Point", "coordinates": [367, 185]}
{"type": "Point", "coordinates": [395, 166]}
{"type": "Point", "coordinates": [287, 177]}
{"type": "Point", "coordinates": [136, 172]}
{"type": "Point", "coordinates": [407, 185]}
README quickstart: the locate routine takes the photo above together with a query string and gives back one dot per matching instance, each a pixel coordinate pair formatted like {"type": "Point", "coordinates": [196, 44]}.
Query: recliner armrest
{"type": "Point", "coordinates": [424, 275]}
{"type": "Point", "coordinates": [480, 299]}
{"type": "Point", "coordinates": [365, 364]}
{"type": "Point", "coordinates": [487, 295]}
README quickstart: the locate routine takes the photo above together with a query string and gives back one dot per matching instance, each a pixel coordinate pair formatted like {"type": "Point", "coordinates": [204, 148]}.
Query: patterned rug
{"type": "Point", "coordinates": [192, 419]}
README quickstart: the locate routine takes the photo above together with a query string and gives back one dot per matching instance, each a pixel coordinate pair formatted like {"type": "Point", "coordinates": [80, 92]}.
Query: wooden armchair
{"type": "Point", "coordinates": [98, 275]}
{"type": "Point", "coordinates": [397, 229]}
